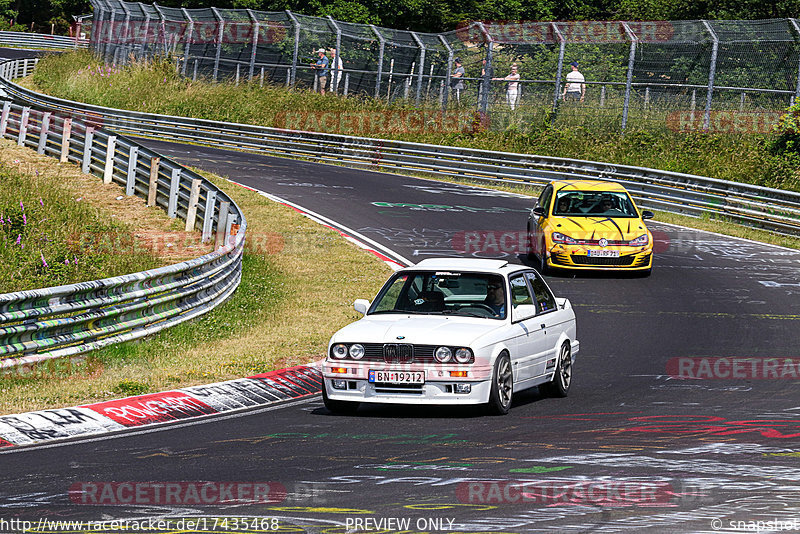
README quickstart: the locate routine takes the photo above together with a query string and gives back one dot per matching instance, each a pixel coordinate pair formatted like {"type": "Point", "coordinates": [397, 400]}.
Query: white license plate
{"type": "Point", "coordinates": [397, 377]}
{"type": "Point", "coordinates": [604, 253]}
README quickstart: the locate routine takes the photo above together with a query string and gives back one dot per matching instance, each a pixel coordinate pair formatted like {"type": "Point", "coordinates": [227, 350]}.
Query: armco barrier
{"type": "Point", "coordinates": [73, 319]}
{"type": "Point", "coordinates": [41, 41]}
{"type": "Point", "coordinates": [770, 209]}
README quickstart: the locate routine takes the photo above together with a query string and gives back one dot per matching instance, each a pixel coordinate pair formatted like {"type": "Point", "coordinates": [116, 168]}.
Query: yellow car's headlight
{"type": "Point", "coordinates": [640, 241]}
{"type": "Point", "coordinates": [563, 239]}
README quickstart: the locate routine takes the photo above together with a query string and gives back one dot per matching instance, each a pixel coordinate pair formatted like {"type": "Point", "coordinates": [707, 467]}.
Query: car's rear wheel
{"type": "Point", "coordinates": [562, 378]}
{"type": "Point", "coordinates": [531, 252]}
{"type": "Point", "coordinates": [502, 386]}
{"type": "Point", "coordinates": [338, 406]}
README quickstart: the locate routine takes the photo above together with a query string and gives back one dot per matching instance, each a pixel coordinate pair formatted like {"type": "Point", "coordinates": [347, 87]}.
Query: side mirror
{"type": "Point", "coordinates": [538, 211]}
{"type": "Point", "coordinates": [361, 306]}
{"type": "Point", "coordinates": [647, 215]}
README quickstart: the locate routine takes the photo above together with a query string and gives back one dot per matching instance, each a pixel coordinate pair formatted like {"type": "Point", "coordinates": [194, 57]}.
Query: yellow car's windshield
{"type": "Point", "coordinates": [593, 204]}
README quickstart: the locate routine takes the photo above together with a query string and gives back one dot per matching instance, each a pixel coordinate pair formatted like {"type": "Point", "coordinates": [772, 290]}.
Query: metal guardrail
{"type": "Point", "coordinates": [770, 209]}
{"type": "Point", "coordinates": [41, 41]}
{"type": "Point", "coordinates": [73, 319]}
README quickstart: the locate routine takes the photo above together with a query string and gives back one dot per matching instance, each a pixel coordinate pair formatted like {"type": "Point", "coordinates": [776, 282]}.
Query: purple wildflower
{"type": "Point", "coordinates": [19, 239]}
{"type": "Point", "coordinates": [43, 260]}
{"type": "Point", "coordinates": [75, 260]}
{"type": "Point", "coordinates": [21, 205]}
{"type": "Point", "coordinates": [41, 202]}
{"type": "Point", "coordinates": [66, 262]}
{"type": "Point", "coordinates": [24, 219]}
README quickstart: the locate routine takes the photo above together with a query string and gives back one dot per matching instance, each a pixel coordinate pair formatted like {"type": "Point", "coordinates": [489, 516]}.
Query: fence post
{"type": "Point", "coordinates": [629, 78]}
{"type": "Point", "coordinates": [87, 150]}
{"type": "Point", "coordinates": [4, 118]}
{"type": "Point", "coordinates": [187, 45]}
{"type": "Point", "coordinates": [483, 105]}
{"type": "Point", "coordinates": [448, 73]}
{"type": "Point", "coordinates": [422, 51]}
{"type": "Point", "coordinates": [712, 70]}
{"type": "Point", "coordinates": [125, 29]}
{"type": "Point", "coordinates": [66, 132]}
{"type": "Point", "coordinates": [256, 29]}
{"type": "Point", "coordinates": [146, 35]}
{"type": "Point", "coordinates": [221, 23]}
{"type": "Point", "coordinates": [133, 163]}
{"type": "Point", "coordinates": [152, 187]}
{"type": "Point", "coordinates": [335, 72]}
{"type": "Point", "coordinates": [162, 28]}
{"type": "Point", "coordinates": [23, 126]}
{"type": "Point", "coordinates": [797, 90]}
{"type": "Point", "coordinates": [208, 218]}
{"type": "Point", "coordinates": [381, 50]}
{"type": "Point", "coordinates": [194, 198]}
{"type": "Point", "coordinates": [110, 30]}
{"type": "Point", "coordinates": [43, 133]}
{"type": "Point", "coordinates": [174, 187]}
{"type": "Point", "coordinates": [296, 24]}
{"type": "Point", "coordinates": [111, 149]}
{"type": "Point", "coordinates": [562, 43]}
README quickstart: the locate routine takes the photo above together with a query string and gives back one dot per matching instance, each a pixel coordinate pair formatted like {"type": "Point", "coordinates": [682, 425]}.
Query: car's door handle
{"type": "Point", "coordinates": [544, 326]}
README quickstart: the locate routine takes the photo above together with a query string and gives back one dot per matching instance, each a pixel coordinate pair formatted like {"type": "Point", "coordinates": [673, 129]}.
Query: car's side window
{"type": "Point", "coordinates": [544, 299]}
{"type": "Point", "coordinates": [544, 198]}
{"type": "Point", "coordinates": [519, 292]}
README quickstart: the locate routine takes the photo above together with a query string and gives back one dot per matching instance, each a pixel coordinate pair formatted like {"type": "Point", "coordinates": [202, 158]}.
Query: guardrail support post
{"type": "Point", "coordinates": [208, 218]}
{"type": "Point", "coordinates": [87, 150]}
{"type": "Point", "coordinates": [296, 24]}
{"type": "Point", "coordinates": [111, 150]}
{"type": "Point", "coordinates": [44, 131]}
{"type": "Point", "coordinates": [66, 132]}
{"type": "Point", "coordinates": [712, 70]}
{"type": "Point", "coordinates": [222, 224]}
{"type": "Point", "coordinates": [152, 188]}
{"type": "Point", "coordinates": [194, 198]}
{"type": "Point", "coordinates": [629, 79]}
{"type": "Point", "coordinates": [4, 118]}
{"type": "Point", "coordinates": [133, 163]}
{"type": "Point", "coordinates": [562, 43]}
{"type": "Point", "coordinates": [23, 126]}
{"type": "Point", "coordinates": [174, 187]}
{"type": "Point", "coordinates": [381, 50]}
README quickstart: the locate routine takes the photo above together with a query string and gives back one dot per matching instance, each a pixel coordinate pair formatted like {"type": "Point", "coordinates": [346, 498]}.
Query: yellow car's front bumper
{"type": "Point", "coordinates": [575, 257]}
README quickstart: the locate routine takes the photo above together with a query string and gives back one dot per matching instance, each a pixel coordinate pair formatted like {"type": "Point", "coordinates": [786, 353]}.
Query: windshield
{"type": "Point", "coordinates": [593, 204]}
{"type": "Point", "coordinates": [443, 293]}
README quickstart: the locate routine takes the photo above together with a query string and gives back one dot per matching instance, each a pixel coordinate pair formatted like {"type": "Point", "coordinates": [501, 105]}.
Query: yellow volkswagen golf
{"type": "Point", "coordinates": [589, 224]}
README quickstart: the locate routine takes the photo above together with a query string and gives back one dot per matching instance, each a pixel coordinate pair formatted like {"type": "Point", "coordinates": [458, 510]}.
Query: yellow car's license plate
{"type": "Point", "coordinates": [603, 253]}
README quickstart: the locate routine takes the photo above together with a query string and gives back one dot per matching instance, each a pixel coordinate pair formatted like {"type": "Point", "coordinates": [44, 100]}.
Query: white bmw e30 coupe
{"type": "Point", "coordinates": [453, 331]}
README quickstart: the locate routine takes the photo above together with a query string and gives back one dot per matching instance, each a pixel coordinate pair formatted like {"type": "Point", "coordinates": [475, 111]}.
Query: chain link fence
{"type": "Point", "coordinates": [725, 76]}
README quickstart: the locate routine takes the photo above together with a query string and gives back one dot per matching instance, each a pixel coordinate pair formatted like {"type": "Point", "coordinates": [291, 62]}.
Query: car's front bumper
{"type": "Point", "coordinates": [439, 386]}
{"type": "Point", "coordinates": [571, 257]}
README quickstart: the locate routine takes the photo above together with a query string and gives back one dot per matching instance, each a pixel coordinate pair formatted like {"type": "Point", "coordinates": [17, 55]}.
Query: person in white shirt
{"type": "Point", "coordinates": [575, 88]}
{"type": "Point", "coordinates": [336, 71]}
{"type": "Point", "coordinates": [512, 91]}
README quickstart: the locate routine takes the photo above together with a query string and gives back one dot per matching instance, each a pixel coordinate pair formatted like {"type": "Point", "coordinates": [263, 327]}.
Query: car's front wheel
{"type": "Point", "coordinates": [562, 378]}
{"type": "Point", "coordinates": [502, 386]}
{"type": "Point", "coordinates": [337, 406]}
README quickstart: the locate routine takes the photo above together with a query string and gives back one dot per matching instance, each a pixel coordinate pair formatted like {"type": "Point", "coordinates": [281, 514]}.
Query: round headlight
{"type": "Point", "coordinates": [463, 355]}
{"type": "Point", "coordinates": [356, 351]}
{"type": "Point", "coordinates": [339, 351]}
{"type": "Point", "coordinates": [443, 354]}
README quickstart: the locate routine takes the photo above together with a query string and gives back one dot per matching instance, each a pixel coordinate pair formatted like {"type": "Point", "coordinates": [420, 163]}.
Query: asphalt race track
{"type": "Point", "coordinates": [632, 449]}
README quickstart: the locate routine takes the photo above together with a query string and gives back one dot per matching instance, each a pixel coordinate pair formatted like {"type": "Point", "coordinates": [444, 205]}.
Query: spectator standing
{"type": "Point", "coordinates": [512, 89]}
{"type": "Point", "coordinates": [575, 88]}
{"type": "Point", "coordinates": [322, 70]}
{"type": "Point", "coordinates": [457, 79]}
{"type": "Point", "coordinates": [336, 70]}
